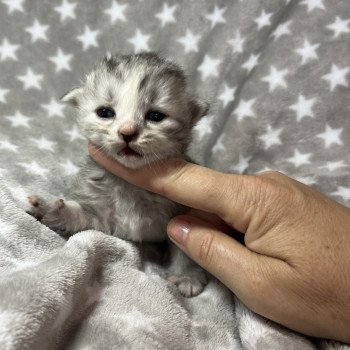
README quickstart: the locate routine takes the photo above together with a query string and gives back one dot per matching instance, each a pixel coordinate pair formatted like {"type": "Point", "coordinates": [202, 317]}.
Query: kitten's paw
{"type": "Point", "coordinates": [51, 215]}
{"type": "Point", "coordinates": [56, 218]}
{"type": "Point", "coordinates": [188, 286]}
{"type": "Point", "coordinates": [38, 207]}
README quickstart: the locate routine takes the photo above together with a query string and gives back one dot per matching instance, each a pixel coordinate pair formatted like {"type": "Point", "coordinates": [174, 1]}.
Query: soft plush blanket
{"type": "Point", "coordinates": [277, 75]}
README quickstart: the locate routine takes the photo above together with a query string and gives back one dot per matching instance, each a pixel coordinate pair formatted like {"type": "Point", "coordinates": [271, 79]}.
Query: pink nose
{"type": "Point", "coordinates": [128, 132]}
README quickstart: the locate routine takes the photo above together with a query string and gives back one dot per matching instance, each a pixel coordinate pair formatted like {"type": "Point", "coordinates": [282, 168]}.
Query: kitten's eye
{"type": "Point", "coordinates": [105, 112]}
{"type": "Point", "coordinates": [154, 116]}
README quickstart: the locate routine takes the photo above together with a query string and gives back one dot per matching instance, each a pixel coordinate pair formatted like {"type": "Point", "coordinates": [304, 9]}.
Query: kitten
{"type": "Point", "coordinates": [137, 109]}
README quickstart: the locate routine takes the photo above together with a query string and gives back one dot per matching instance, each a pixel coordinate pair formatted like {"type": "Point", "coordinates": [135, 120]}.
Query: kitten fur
{"type": "Point", "coordinates": [131, 86]}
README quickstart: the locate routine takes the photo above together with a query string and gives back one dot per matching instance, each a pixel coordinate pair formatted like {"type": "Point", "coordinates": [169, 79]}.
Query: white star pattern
{"type": "Point", "coordinates": [331, 136]}
{"type": "Point", "coordinates": [209, 67]}
{"type": "Point", "coordinates": [189, 41]}
{"type": "Point", "coordinates": [251, 63]}
{"type": "Point", "coordinates": [271, 137]}
{"type": "Point", "coordinates": [313, 4]}
{"type": "Point", "coordinates": [34, 168]}
{"type": "Point", "coordinates": [264, 169]}
{"type": "Point", "coordinates": [332, 166]}
{"type": "Point", "coordinates": [307, 52]}
{"type": "Point", "coordinates": [216, 16]}
{"type": "Point", "coordinates": [54, 108]}
{"type": "Point", "coordinates": [19, 120]}
{"type": "Point", "coordinates": [44, 144]}
{"type": "Point", "coordinates": [8, 50]}
{"type": "Point", "coordinates": [31, 80]}
{"type": "Point", "coordinates": [237, 43]}
{"type": "Point", "coordinates": [204, 126]}
{"type": "Point", "coordinates": [167, 15]}
{"type": "Point", "coordinates": [140, 41]}
{"type": "Point", "coordinates": [14, 5]}
{"type": "Point", "coordinates": [263, 20]}
{"type": "Point", "coordinates": [88, 38]}
{"type": "Point", "coordinates": [276, 78]}
{"type": "Point", "coordinates": [8, 146]}
{"type": "Point", "coordinates": [303, 108]}
{"type": "Point", "coordinates": [69, 168]}
{"type": "Point", "coordinates": [337, 77]}
{"type": "Point", "coordinates": [281, 30]}
{"type": "Point", "coordinates": [244, 109]}
{"type": "Point", "coordinates": [227, 96]}
{"type": "Point", "coordinates": [307, 180]}
{"type": "Point", "coordinates": [242, 165]}
{"type": "Point", "coordinates": [343, 192]}
{"type": "Point", "coordinates": [37, 31]}
{"type": "Point", "coordinates": [61, 60]}
{"type": "Point", "coordinates": [219, 145]}
{"type": "Point", "coordinates": [116, 12]}
{"type": "Point", "coordinates": [339, 26]}
{"type": "Point", "coordinates": [66, 10]}
{"type": "Point", "coordinates": [74, 134]}
{"type": "Point", "coordinates": [3, 93]}
{"type": "Point", "coordinates": [300, 159]}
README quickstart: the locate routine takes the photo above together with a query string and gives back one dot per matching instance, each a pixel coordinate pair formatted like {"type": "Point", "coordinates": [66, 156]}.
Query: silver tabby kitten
{"type": "Point", "coordinates": [138, 110]}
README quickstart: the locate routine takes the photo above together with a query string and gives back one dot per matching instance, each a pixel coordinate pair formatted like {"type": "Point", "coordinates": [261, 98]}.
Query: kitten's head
{"type": "Point", "coordinates": [137, 108]}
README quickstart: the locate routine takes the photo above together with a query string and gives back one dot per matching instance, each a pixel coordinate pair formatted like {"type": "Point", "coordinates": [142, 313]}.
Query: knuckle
{"type": "Point", "coordinates": [248, 194]}
{"type": "Point", "coordinates": [206, 250]}
{"type": "Point", "coordinates": [257, 194]}
{"type": "Point", "coordinates": [275, 186]}
{"type": "Point", "coordinates": [174, 173]}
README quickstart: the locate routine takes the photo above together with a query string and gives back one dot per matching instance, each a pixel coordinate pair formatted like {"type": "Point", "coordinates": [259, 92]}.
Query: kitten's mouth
{"type": "Point", "coordinates": [128, 152]}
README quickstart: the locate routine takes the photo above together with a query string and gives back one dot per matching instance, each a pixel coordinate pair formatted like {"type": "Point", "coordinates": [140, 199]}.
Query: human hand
{"type": "Point", "coordinates": [295, 266]}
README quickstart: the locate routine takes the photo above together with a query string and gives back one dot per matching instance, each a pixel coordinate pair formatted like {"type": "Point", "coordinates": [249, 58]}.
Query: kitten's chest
{"type": "Point", "coordinates": [122, 209]}
{"type": "Point", "coordinates": [139, 215]}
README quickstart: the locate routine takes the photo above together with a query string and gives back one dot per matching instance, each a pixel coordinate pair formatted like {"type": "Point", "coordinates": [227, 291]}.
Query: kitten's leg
{"type": "Point", "coordinates": [189, 278]}
{"type": "Point", "coordinates": [63, 217]}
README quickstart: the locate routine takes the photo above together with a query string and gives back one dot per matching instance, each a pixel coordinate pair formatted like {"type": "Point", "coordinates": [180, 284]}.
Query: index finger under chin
{"type": "Point", "coordinates": [185, 183]}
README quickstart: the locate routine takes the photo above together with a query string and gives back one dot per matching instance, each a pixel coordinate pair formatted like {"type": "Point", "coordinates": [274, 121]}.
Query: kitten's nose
{"type": "Point", "coordinates": [128, 138]}
{"type": "Point", "coordinates": [128, 133]}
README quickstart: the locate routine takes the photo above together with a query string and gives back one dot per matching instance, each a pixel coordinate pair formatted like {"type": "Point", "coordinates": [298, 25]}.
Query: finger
{"type": "Point", "coordinates": [226, 195]}
{"type": "Point", "coordinates": [211, 218]}
{"type": "Point", "coordinates": [226, 259]}
{"type": "Point", "coordinates": [260, 282]}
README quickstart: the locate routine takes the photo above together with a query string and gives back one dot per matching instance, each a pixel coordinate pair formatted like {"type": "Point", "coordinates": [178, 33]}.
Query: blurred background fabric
{"type": "Point", "coordinates": [276, 74]}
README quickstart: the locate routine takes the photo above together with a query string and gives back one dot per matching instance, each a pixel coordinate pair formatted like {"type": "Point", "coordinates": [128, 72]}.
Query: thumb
{"type": "Point", "coordinates": [256, 279]}
{"type": "Point", "coordinates": [222, 256]}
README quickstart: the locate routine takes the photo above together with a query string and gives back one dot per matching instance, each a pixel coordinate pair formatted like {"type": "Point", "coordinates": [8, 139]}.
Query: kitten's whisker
{"type": "Point", "coordinates": [148, 162]}
{"type": "Point", "coordinates": [102, 148]}
{"type": "Point", "coordinates": [159, 159]}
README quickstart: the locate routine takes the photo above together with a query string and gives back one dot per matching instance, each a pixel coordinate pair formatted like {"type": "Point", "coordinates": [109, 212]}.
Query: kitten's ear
{"type": "Point", "coordinates": [198, 109]}
{"type": "Point", "coordinates": [72, 96]}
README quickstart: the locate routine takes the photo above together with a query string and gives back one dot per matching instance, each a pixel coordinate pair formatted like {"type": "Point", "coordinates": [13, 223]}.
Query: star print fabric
{"type": "Point", "coordinates": [276, 74]}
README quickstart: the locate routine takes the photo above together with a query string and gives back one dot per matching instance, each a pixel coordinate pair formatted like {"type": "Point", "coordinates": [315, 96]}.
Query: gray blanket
{"type": "Point", "coordinates": [277, 75]}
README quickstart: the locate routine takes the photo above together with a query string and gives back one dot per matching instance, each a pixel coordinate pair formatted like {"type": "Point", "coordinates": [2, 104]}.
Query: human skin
{"type": "Point", "coordinates": [295, 266]}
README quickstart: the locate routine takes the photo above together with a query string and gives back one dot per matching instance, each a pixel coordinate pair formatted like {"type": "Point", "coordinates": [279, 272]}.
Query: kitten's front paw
{"type": "Point", "coordinates": [50, 214]}
{"type": "Point", "coordinates": [189, 286]}
{"type": "Point", "coordinates": [38, 207]}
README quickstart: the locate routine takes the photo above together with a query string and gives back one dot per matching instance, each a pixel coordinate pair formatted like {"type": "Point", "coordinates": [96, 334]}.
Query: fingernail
{"type": "Point", "coordinates": [178, 230]}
